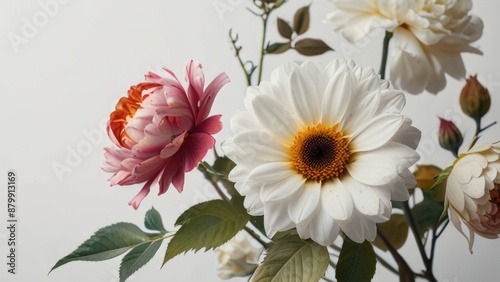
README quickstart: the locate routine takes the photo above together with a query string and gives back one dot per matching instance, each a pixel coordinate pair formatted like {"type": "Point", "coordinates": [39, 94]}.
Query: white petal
{"type": "Point", "coordinates": [253, 204]}
{"type": "Point", "coordinates": [402, 155]}
{"type": "Point", "coordinates": [469, 166]}
{"type": "Point", "coordinates": [238, 173]}
{"type": "Point", "coordinates": [360, 112]}
{"type": "Point", "coordinates": [364, 197]}
{"type": "Point", "coordinates": [475, 188]}
{"type": "Point", "coordinates": [271, 172]}
{"type": "Point", "coordinates": [336, 200]}
{"type": "Point", "coordinates": [454, 193]}
{"type": "Point", "coordinates": [359, 228]}
{"type": "Point", "coordinates": [283, 72]}
{"type": "Point", "coordinates": [376, 133]}
{"type": "Point", "coordinates": [408, 135]}
{"type": "Point", "coordinates": [491, 172]}
{"type": "Point", "coordinates": [337, 95]}
{"type": "Point", "coordinates": [391, 101]}
{"type": "Point", "coordinates": [303, 203]}
{"type": "Point", "coordinates": [372, 168]}
{"type": "Point", "coordinates": [273, 191]}
{"type": "Point", "coordinates": [306, 85]}
{"type": "Point", "coordinates": [261, 145]}
{"type": "Point", "coordinates": [276, 217]}
{"type": "Point", "coordinates": [455, 219]}
{"type": "Point", "coordinates": [243, 121]}
{"type": "Point", "coordinates": [410, 69]}
{"type": "Point", "coordinates": [273, 116]}
{"type": "Point", "coordinates": [319, 227]}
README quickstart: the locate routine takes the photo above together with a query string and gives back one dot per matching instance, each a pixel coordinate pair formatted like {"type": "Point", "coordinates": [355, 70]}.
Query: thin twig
{"type": "Point", "coordinates": [401, 262]}
{"type": "Point", "coordinates": [413, 226]}
{"type": "Point", "coordinates": [256, 237]}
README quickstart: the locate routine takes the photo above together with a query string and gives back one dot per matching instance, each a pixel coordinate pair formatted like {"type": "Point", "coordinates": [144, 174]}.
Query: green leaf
{"type": "Point", "coordinates": [356, 262]}
{"type": "Point", "coordinates": [106, 243]}
{"type": "Point", "coordinates": [216, 208]}
{"type": "Point", "coordinates": [278, 47]}
{"type": "Point", "coordinates": [206, 225]}
{"type": "Point", "coordinates": [311, 47]}
{"type": "Point", "coordinates": [301, 20]}
{"type": "Point", "coordinates": [137, 258]}
{"type": "Point", "coordinates": [153, 221]}
{"type": "Point", "coordinates": [292, 259]}
{"type": "Point", "coordinates": [427, 213]}
{"type": "Point", "coordinates": [284, 29]}
{"type": "Point", "coordinates": [395, 230]}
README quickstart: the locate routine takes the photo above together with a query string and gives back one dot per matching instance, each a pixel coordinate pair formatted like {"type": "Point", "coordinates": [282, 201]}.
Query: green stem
{"type": "Point", "coordinates": [488, 126]}
{"type": "Point", "coordinates": [237, 49]}
{"type": "Point", "coordinates": [256, 237]}
{"type": "Point", "coordinates": [405, 273]}
{"type": "Point", "coordinates": [413, 226]}
{"type": "Point", "coordinates": [385, 51]}
{"type": "Point", "coordinates": [476, 134]}
{"type": "Point", "coordinates": [206, 166]}
{"type": "Point", "coordinates": [435, 236]}
{"type": "Point", "coordinates": [264, 17]}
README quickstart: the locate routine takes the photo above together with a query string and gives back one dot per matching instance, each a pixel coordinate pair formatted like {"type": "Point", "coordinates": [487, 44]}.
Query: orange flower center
{"type": "Point", "coordinates": [320, 153]}
{"type": "Point", "coordinates": [125, 110]}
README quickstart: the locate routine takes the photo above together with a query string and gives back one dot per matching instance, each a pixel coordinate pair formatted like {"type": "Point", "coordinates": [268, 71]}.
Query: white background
{"type": "Point", "coordinates": [59, 85]}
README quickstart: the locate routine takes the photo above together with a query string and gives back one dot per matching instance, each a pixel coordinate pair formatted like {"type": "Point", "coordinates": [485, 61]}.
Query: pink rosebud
{"type": "Point", "coordinates": [450, 137]}
{"type": "Point", "coordinates": [161, 130]}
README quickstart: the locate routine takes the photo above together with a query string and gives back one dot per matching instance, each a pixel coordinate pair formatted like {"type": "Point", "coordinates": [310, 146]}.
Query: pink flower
{"type": "Point", "coordinates": [473, 192]}
{"type": "Point", "coordinates": [161, 130]}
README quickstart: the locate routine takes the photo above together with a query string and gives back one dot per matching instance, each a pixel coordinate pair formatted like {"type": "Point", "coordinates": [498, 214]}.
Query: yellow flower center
{"type": "Point", "coordinates": [320, 153]}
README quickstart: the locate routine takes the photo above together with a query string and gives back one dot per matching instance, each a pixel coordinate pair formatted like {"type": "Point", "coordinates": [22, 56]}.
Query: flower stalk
{"type": "Point", "coordinates": [385, 52]}
{"type": "Point", "coordinates": [413, 226]}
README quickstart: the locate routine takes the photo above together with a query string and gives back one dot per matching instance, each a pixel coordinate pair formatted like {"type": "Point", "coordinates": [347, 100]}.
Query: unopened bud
{"type": "Point", "coordinates": [450, 137]}
{"type": "Point", "coordinates": [475, 98]}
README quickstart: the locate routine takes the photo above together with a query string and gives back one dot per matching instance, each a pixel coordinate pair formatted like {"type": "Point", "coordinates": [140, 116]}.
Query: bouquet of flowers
{"type": "Point", "coordinates": [321, 173]}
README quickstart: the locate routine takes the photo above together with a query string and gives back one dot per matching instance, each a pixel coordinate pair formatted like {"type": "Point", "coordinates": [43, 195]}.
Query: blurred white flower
{"type": "Point", "coordinates": [323, 151]}
{"type": "Point", "coordinates": [472, 191]}
{"type": "Point", "coordinates": [237, 257]}
{"type": "Point", "coordinates": [428, 36]}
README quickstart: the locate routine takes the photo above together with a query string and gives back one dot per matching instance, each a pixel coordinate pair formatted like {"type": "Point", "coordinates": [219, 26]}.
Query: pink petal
{"type": "Point", "coordinates": [211, 125]}
{"type": "Point", "coordinates": [136, 201]}
{"type": "Point", "coordinates": [148, 169]}
{"type": "Point", "coordinates": [172, 148]}
{"type": "Point", "coordinates": [195, 149]}
{"type": "Point", "coordinates": [171, 170]}
{"type": "Point", "coordinates": [120, 177]}
{"type": "Point", "coordinates": [194, 76]}
{"type": "Point", "coordinates": [209, 95]}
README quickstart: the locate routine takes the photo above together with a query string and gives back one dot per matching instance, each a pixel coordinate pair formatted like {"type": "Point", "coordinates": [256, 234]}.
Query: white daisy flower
{"type": "Point", "coordinates": [323, 151]}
